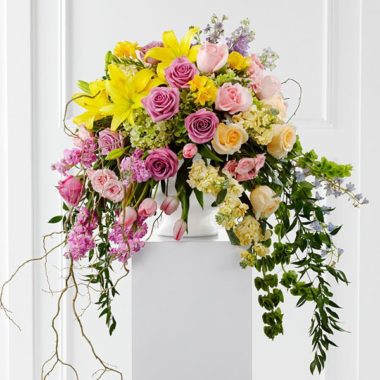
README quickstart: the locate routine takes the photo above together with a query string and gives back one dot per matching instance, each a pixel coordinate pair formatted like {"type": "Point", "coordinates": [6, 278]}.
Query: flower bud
{"type": "Point", "coordinates": [128, 216]}
{"type": "Point", "coordinates": [179, 229]}
{"type": "Point", "coordinates": [147, 207]}
{"type": "Point", "coordinates": [169, 205]}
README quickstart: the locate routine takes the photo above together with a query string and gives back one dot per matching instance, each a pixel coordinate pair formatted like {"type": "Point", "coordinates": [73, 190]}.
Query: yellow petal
{"type": "Point", "coordinates": [170, 41]}
{"type": "Point", "coordinates": [154, 83]}
{"type": "Point", "coordinates": [86, 118]}
{"type": "Point", "coordinates": [118, 117]}
{"type": "Point", "coordinates": [161, 69]}
{"type": "Point", "coordinates": [142, 78]}
{"type": "Point", "coordinates": [160, 53]}
{"type": "Point", "coordinates": [193, 53]}
{"type": "Point", "coordinates": [186, 41]}
{"type": "Point", "coordinates": [118, 77]}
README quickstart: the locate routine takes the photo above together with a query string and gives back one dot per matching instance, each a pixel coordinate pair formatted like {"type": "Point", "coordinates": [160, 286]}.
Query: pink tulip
{"type": "Point", "coordinates": [179, 229]}
{"type": "Point", "coordinates": [269, 87]}
{"type": "Point", "coordinates": [71, 189]}
{"type": "Point", "coordinates": [169, 205]}
{"type": "Point", "coordinates": [189, 150]}
{"type": "Point", "coordinates": [147, 207]}
{"type": "Point", "coordinates": [128, 216]}
{"type": "Point", "coordinates": [212, 57]}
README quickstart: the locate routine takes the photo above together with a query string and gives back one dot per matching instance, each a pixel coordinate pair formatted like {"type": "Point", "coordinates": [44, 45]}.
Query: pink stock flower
{"type": "Point", "coordinates": [179, 229]}
{"type": "Point", "coordinates": [162, 103]}
{"type": "Point", "coordinates": [245, 169]}
{"type": "Point", "coordinates": [233, 98]}
{"type": "Point", "coordinates": [109, 140]}
{"type": "Point", "coordinates": [128, 216]}
{"type": "Point", "coordinates": [169, 205]}
{"type": "Point", "coordinates": [113, 190]}
{"type": "Point", "coordinates": [80, 239]}
{"type": "Point", "coordinates": [147, 208]}
{"type": "Point", "coordinates": [212, 57]}
{"type": "Point", "coordinates": [71, 189]}
{"type": "Point", "coordinates": [189, 150]}
{"type": "Point", "coordinates": [201, 125]}
{"type": "Point", "coordinates": [162, 163]}
{"type": "Point", "coordinates": [180, 73]}
{"type": "Point", "coordinates": [255, 72]}
{"type": "Point", "coordinates": [269, 87]}
{"type": "Point", "coordinates": [134, 168]}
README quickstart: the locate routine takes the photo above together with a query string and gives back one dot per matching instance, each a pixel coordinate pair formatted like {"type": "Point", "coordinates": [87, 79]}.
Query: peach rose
{"type": "Point", "coordinates": [229, 138]}
{"type": "Point", "coordinates": [212, 57]}
{"type": "Point", "coordinates": [233, 98]}
{"type": "Point", "coordinates": [278, 103]}
{"type": "Point", "coordinates": [264, 201]}
{"type": "Point", "coordinates": [283, 140]}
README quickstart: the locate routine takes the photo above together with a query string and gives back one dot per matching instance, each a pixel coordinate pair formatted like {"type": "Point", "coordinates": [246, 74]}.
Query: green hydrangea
{"type": "Point", "coordinates": [146, 134]}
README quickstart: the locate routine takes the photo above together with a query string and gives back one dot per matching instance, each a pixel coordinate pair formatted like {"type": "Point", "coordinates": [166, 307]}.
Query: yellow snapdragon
{"type": "Point", "coordinates": [126, 49]}
{"type": "Point", "coordinates": [204, 89]}
{"type": "Point", "coordinates": [237, 61]}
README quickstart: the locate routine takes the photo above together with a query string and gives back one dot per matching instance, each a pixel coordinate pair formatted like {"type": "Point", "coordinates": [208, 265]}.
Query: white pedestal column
{"type": "Point", "coordinates": [191, 312]}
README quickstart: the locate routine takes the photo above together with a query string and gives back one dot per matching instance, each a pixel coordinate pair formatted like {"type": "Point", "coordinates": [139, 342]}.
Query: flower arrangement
{"type": "Point", "coordinates": [205, 113]}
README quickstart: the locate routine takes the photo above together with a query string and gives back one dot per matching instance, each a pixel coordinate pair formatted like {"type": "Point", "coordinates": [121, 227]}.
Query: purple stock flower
{"type": "Point", "coordinates": [134, 168]}
{"type": "Point", "coordinates": [162, 103]}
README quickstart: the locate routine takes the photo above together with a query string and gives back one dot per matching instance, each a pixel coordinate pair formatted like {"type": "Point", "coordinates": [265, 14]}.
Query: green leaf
{"type": "Point", "coordinates": [233, 238]}
{"type": "Point", "coordinates": [199, 196]}
{"type": "Point", "coordinates": [56, 219]}
{"type": "Point", "coordinates": [219, 198]}
{"type": "Point", "coordinates": [116, 153]}
{"type": "Point", "coordinates": [206, 152]}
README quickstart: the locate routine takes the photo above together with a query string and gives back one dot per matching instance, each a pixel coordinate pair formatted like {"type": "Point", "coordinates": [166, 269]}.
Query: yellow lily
{"type": "Point", "coordinates": [92, 102]}
{"type": "Point", "coordinates": [126, 92]}
{"type": "Point", "coordinates": [173, 49]}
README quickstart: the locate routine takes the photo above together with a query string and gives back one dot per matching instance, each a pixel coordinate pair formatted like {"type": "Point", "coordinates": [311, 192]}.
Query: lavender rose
{"type": "Point", "coordinates": [180, 73]}
{"type": "Point", "coordinates": [162, 103]}
{"type": "Point", "coordinates": [162, 163]}
{"type": "Point", "coordinates": [201, 125]}
{"type": "Point", "coordinates": [109, 140]}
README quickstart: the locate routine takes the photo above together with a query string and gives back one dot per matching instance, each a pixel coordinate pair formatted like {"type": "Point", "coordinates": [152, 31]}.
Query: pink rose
{"type": "Point", "coordinates": [147, 208]}
{"type": "Point", "coordinates": [212, 57]}
{"type": "Point", "coordinates": [100, 177]}
{"type": "Point", "coordinates": [169, 205]}
{"type": "Point", "coordinates": [233, 98]}
{"type": "Point", "coordinates": [81, 136]}
{"type": "Point", "coordinates": [162, 103]}
{"type": "Point", "coordinates": [255, 72]}
{"type": "Point", "coordinates": [179, 229]}
{"type": "Point", "coordinates": [109, 140]}
{"type": "Point", "coordinates": [128, 216]}
{"type": "Point", "coordinates": [180, 73]}
{"type": "Point", "coordinates": [269, 87]}
{"type": "Point", "coordinates": [201, 126]}
{"type": "Point", "coordinates": [71, 189]}
{"type": "Point", "coordinates": [189, 150]}
{"type": "Point", "coordinates": [113, 190]}
{"type": "Point", "coordinates": [247, 168]}
{"type": "Point", "coordinates": [162, 163]}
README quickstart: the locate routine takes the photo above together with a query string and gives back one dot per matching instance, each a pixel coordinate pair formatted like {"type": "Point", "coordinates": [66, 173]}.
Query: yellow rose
{"type": "Point", "coordinates": [229, 138]}
{"type": "Point", "coordinates": [264, 201]}
{"type": "Point", "coordinates": [283, 140]}
{"type": "Point", "coordinates": [278, 103]}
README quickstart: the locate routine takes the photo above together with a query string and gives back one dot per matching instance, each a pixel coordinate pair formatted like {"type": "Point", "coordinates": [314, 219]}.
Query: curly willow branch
{"type": "Point", "coordinates": [299, 97]}
{"type": "Point", "coordinates": [6, 311]}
